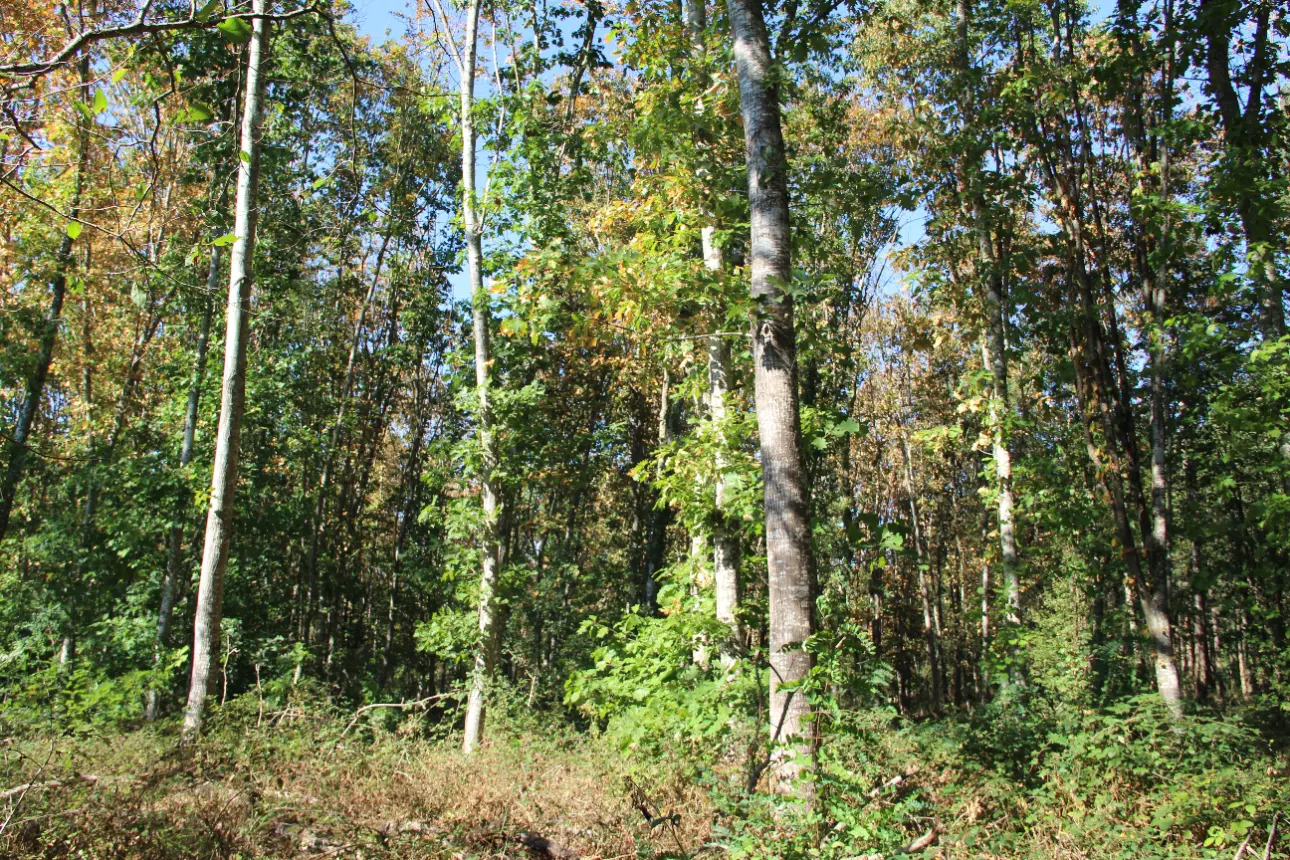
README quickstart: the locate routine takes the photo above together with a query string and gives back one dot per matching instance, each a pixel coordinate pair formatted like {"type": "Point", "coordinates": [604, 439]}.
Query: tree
{"type": "Point", "coordinates": [788, 516]}
{"type": "Point", "coordinates": [219, 517]}
{"type": "Point", "coordinates": [464, 56]}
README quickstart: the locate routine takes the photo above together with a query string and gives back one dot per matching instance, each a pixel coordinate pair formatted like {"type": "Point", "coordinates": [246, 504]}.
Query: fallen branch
{"type": "Point", "coordinates": [21, 791]}
{"type": "Point", "coordinates": [892, 783]}
{"type": "Point", "coordinates": [86, 778]}
{"type": "Point", "coordinates": [923, 841]}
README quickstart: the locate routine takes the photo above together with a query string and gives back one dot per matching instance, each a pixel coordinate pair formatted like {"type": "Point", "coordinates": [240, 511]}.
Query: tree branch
{"type": "Point", "coordinates": [139, 27]}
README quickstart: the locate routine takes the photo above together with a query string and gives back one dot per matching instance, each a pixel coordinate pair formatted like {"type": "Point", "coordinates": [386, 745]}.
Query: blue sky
{"type": "Point", "coordinates": [375, 17]}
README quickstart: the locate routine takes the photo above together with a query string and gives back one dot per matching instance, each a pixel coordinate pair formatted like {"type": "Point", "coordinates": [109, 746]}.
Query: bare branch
{"type": "Point", "coordinates": [138, 27]}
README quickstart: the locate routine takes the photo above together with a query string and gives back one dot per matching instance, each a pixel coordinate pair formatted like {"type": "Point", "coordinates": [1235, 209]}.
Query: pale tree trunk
{"type": "Point", "coordinates": [486, 652]}
{"type": "Point", "coordinates": [788, 532]}
{"type": "Point", "coordinates": [999, 409]}
{"type": "Point", "coordinates": [20, 435]}
{"type": "Point", "coordinates": [1155, 598]}
{"type": "Point", "coordinates": [725, 537]}
{"type": "Point", "coordinates": [175, 537]}
{"type": "Point", "coordinates": [219, 517]}
{"type": "Point", "coordinates": [1111, 401]}
{"type": "Point", "coordinates": [1155, 604]}
{"type": "Point", "coordinates": [725, 534]}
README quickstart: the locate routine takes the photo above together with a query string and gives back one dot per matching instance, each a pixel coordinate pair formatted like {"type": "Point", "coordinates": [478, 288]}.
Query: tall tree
{"type": "Point", "coordinates": [486, 651]}
{"type": "Point", "coordinates": [220, 513]}
{"type": "Point", "coordinates": [788, 530]}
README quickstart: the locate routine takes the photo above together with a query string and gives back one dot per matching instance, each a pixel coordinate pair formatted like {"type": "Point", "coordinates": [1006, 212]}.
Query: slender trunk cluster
{"type": "Point", "coordinates": [19, 438]}
{"type": "Point", "coordinates": [173, 573]}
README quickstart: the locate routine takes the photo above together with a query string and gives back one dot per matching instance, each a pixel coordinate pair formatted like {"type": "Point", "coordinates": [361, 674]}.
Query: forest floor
{"type": "Point", "coordinates": [313, 781]}
{"type": "Point", "coordinates": [294, 787]}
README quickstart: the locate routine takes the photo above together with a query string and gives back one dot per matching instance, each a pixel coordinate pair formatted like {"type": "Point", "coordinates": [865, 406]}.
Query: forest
{"type": "Point", "coordinates": [804, 429]}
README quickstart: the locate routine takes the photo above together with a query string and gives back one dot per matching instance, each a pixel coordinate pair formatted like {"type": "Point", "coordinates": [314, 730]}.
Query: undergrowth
{"type": "Point", "coordinates": [306, 778]}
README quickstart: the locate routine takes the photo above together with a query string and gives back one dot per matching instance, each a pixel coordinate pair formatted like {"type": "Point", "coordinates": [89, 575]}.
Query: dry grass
{"type": "Point", "coordinates": [294, 790]}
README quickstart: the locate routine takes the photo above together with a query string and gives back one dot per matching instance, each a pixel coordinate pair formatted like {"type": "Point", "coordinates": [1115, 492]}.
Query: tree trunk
{"type": "Point", "coordinates": [725, 534]}
{"type": "Point", "coordinates": [788, 533]}
{"type": "Point", "coordinates": [489, 622]}
{"type": "Point", "coordinates": [219, 517]}
{"type": "Point", "coordinates": [660, 516]}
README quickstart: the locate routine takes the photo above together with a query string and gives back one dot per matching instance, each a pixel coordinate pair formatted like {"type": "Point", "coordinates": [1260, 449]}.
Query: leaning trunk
{"type": "Point", "coordinates": [219, 517]}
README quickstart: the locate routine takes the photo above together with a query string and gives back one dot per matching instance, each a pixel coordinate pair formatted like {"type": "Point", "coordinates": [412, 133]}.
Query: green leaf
{"type": "Point", "coordinates": [207, 11]}
{"type": "Point", "coordinates": [235, 30]}
{"type": "Point", "coordinates": [244, 157]}
{"type": "Point", "coordinates": [226, 239]}
{"type": "Point", "coordinates": [198, 112]}
{"type": "Point", "coordinates": [100, 102]}
{"type": "Point", "coordinates": [118, 75]}
{"type": "Point", "coordinates": [73, 229]}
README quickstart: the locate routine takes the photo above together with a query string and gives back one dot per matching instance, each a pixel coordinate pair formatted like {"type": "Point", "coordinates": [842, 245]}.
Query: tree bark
{"type": "Point", "coordinates": [219, 517]}
{"type": "Point", "coordinates": [788, 534]}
